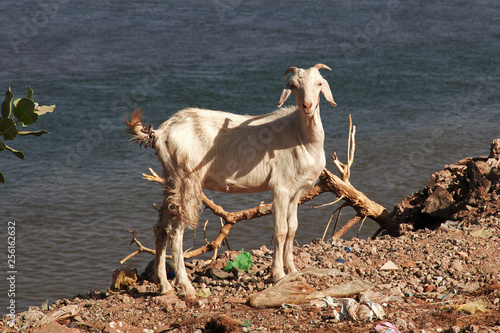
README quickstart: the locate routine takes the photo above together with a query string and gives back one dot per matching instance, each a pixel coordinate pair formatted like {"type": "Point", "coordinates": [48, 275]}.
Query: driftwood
{"type": "Point", "coordinates": [328, 182]}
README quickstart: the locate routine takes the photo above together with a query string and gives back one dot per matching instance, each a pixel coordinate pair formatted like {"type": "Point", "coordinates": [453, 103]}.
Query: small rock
{"type": "Point", "coordinates": [401, 324]}
{"type": "Point", "coordinates": [257, 253]}
{"type": "Point", "coordinates": [471, 286]}
{"type": "Point", "coordinates": [360, 271]}
{"type": "Point", "coordinates": [457, 265]}
{"type": "Point", "coordinates": [438, 203]}
{"type": "Point", "coordinates": [408, 264]}
{"type": "Point", "coordinates": [265, 250]}
{"type": "Point", "coordinates": [430, 288]}
{"type": "Point", "coordinates": [389, 266]}
{"type": "Point", "coordinates": [218, 274]}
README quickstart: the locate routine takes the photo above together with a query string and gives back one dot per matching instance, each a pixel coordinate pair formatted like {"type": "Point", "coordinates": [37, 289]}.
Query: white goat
{"type": "Point", "coordinates": [204, 149]}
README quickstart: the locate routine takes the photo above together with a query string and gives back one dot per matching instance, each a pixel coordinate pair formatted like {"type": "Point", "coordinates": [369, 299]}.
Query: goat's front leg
{"type": "Point", "coordinates": [160, 265]}
{"type": "Point", "coordinates": [280, 207]}
{"type": "Point", "coordinates": [290, 236]}
{"type": "Point", "coordinates": [176, 240]}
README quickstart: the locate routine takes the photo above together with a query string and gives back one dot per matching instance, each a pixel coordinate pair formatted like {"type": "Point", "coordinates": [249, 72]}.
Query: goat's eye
{"type": "Point", "coordinates": [320, 84]}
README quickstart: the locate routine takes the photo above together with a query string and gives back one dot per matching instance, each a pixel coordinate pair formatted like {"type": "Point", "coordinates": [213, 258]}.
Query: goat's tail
{"type": "Point", "coordinates": [143, 135]}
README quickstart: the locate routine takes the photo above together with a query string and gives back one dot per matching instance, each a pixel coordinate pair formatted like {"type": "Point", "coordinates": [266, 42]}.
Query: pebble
{"type": "Point", "coordinates": [457, 265]}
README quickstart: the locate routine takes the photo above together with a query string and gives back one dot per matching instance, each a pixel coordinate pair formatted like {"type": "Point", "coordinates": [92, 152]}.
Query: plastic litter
{"type": "Point", "coordinates": [472, 307]}
{"type": "Point", "coordinates": [326, 302]}
{"type": "Point", "coordinates": [243, 261]}
{"type": "Point", "coordinates": [365, 310]}
{"type": "Point", "coordinates": [368, 307]}
{"type": "Point", "coordinates": [386, 327]}
{"type": "Point", "coordinates": [246, 323]}
{"type": "Point", "coordinates": [66, 312]}
{"type": "Point", "coordinates": [298, 292]}
{"type": "Point", "coordinates": [204, 292]}
{"type": "Point", "coordinates": [485, 234]}
{"type": "Point", "coordinates": [123, 278]}
{"type": "Point", "coordinates": [340, 260]}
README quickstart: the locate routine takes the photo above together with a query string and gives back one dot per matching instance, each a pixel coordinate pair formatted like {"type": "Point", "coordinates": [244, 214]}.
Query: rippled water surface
{"type": "Point", "coordinates": [420, 79]}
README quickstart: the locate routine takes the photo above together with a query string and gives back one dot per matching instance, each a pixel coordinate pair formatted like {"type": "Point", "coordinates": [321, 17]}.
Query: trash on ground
{"type": "Point", "coordinates": [298, 292]}
{"type": "Point", "coordinates": [66, 312]}
{"type": "Point", "coordinates": [243, 261]}
{"type": "Point", "coordinates": [386, 327]}
{"type": "Point", "coordinates": [472, 307]}
{"type": "Point", "coordinates": [366, 309]}
{"type": "Point", "coordinates": [485, 234]}
{"type": "Point", "coordinates": [123, 278]}
{"type": "Point", "coordinates": [204, 292]}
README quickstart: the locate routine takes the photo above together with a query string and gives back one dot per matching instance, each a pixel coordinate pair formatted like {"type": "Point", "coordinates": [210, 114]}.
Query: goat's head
{"type": "Point", "coordinates": [306, 84]}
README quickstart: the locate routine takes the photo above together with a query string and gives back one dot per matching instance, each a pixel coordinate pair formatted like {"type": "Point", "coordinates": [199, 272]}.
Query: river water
{"type": "Point", "coordinates": [420, 78]}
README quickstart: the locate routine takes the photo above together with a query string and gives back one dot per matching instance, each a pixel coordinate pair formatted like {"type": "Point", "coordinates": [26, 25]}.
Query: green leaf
{"type": "Point", "coordinates": [7, 104]}
{"type": "Point", "coordinates": [18, 153]}
{"type": "Point", "coordinates": [35, 133]}
{"type": "Point", "coordinates": [25, 111]}
{"type": "Point", "coordinates": [43, 109]}
{"type": "Point", "coordinates": [2, 178]}
{"type": "Point", "coordinates": [8, 128]}
{"type": "Point", "coordinates": [29, 94]}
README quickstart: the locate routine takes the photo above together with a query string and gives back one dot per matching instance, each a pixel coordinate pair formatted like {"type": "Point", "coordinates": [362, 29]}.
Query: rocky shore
{"type": "Point", "coordinates": [440, 274]}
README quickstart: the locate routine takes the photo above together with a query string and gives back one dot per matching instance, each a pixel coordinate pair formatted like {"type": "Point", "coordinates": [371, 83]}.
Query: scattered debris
{"type": "Point", "coordinates": [472, 307]}
{"type": "Point", "coordinates": [123, 278]}
{"type": "Point", "coordinates": [445, 278]}
{"type": "Point", "coordinates": [243, 261]}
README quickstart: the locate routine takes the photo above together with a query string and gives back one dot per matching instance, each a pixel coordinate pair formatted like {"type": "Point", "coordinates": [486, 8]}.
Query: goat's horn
{"type": "Point", "coordinates": [319, 66]}
{"type": "Point", "coordinates": [290, 70]}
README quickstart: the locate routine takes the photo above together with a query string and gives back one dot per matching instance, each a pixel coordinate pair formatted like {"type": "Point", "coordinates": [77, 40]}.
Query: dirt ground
{"type": "Point", "coordinates": [445, 277]}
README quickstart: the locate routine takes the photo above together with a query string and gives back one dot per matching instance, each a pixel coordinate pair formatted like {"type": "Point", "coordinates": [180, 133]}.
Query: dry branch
{"type": "Point", "coordinates": [141, 247]}
{"type": "Point", "coordinates": [328, 182]}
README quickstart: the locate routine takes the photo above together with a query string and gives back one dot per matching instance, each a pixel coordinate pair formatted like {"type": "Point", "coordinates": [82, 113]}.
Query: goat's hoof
{"type": "Point", "coordinates": [188, 295]}
{"type": "Point", "coordinates": [166, 290]}
{"type": "Point", "coordinates": [277, 277]}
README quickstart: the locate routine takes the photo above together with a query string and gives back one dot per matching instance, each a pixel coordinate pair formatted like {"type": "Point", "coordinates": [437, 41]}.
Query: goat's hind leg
{"type": "Point", "coordinates": [160, 264]}
{"type": "Point", "coordinates": [176, 241]}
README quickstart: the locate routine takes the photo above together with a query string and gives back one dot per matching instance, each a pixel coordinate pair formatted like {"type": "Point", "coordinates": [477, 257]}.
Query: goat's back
{"type": "Point", "coordinates": [229, 152]}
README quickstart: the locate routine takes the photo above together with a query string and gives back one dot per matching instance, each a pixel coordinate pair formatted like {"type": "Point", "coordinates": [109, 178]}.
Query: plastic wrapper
{"type": "Point", "coordinates": [298, 292]}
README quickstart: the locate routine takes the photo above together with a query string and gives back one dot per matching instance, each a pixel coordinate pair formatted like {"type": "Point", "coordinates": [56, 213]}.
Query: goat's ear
{"type": "Point", "coordinates": [285, 94]}
{"type": "Point", "coordinates": [325, 90]}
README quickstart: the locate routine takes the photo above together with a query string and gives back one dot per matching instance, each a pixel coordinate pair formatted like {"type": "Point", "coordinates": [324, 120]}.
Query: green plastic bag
{"type": "Point", "coordinates": [243, 261]}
